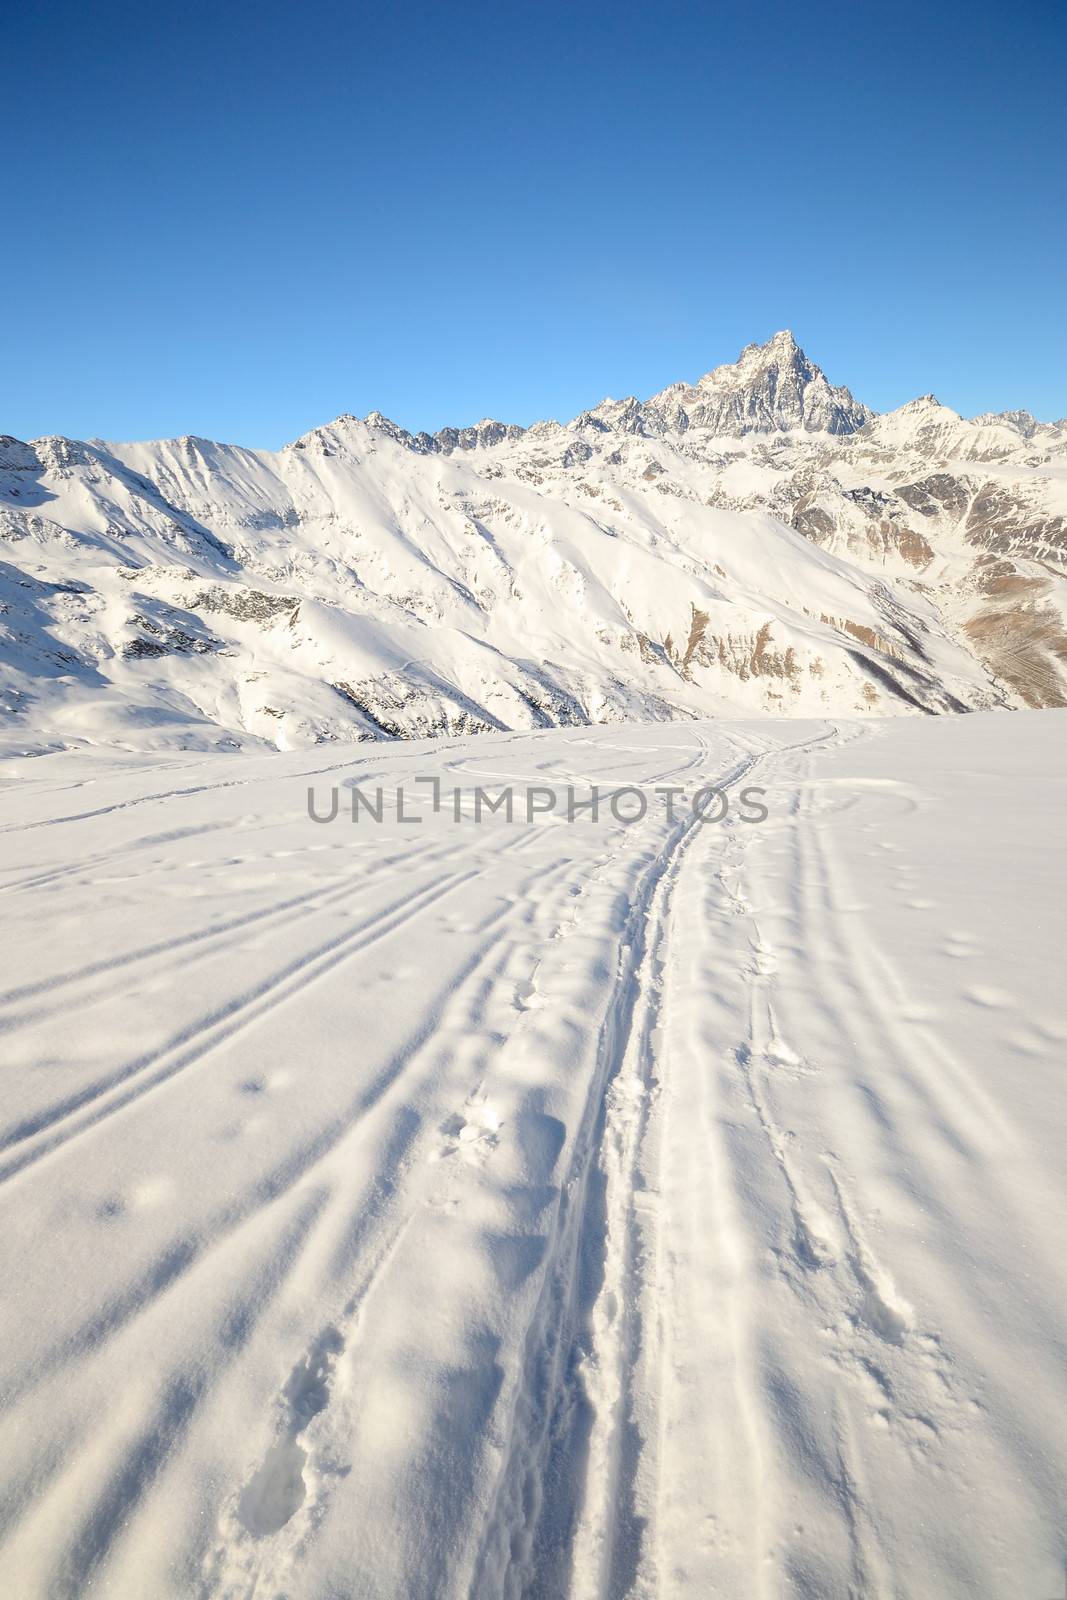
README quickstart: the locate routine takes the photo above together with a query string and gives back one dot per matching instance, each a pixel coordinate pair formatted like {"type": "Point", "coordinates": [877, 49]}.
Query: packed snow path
{"type": "Point", "coordinates": [538, 1208]}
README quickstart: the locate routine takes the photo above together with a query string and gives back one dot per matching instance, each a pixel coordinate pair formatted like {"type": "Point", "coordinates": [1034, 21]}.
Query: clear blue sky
{"type": "Point", "coordinates": [239, 220]}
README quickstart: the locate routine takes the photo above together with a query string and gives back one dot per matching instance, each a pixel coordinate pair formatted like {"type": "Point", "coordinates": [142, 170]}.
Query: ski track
{"type": "Point", "coordinates": [591, 1275]}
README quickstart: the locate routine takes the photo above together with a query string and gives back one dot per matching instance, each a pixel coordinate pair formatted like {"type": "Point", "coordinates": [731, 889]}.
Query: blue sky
{"type": "Point", "coordinates": [239, 220]}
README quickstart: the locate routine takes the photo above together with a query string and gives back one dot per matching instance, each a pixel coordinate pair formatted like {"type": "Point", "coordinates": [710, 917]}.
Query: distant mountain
{"type": "Point", "coordinates": [770, 388]}
{"type": "Point", "coordinates": [758, 541]}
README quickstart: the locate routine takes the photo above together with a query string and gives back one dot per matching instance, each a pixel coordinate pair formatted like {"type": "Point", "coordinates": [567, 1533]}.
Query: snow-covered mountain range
{"type": "Point", "coordinates": [757, 542]}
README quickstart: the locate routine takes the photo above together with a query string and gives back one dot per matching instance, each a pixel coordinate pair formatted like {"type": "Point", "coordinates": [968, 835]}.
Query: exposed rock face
{"type": "Point", "coordinates": [1019, 631]}
{"type": "Point", "coordinates": [483, 435]}
{"type": "Point", "coordinates": [757, 541]}
{"type": "Point", "coordinates": [770, 388]}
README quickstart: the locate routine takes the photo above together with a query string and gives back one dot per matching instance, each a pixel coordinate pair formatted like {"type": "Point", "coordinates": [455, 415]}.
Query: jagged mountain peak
{"type": "Point", "coordinates": [781, 346]}
{"type": "Point", "coordinates": [1024, 423]}
{"type": "Point", "coordinates": [922, 402]}
{"type": "Point", "coordinates": [770, 388]}
{"type": "Point", "coordinates": [644, 561]}
{"type": "Point", "coordinates": [780, 352]}
{"type": "Point", "coordinates": [16, 455]}
{"type": "Point", "coordinates": [480, 435]}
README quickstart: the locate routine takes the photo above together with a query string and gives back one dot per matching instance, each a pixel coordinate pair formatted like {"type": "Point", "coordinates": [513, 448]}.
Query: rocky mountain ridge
{"type": "Point", "coordinates": [758, 541]}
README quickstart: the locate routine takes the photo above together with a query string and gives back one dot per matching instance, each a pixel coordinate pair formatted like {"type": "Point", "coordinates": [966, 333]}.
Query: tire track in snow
{"type": "Point", "coordinates": [354, 883]}
{"type": "Point", "coordinates": [101, 1100]}
{"type": "Point", "coordinates": [218, 1230]}
{"type": "Point", "coordinates": [521, 999]}
{"type": "Point", "coordinates": [264, 1527]}
{"type": "Point", "coordinates": [396, 751]}
{"type": "Point", "coordinates": [53, 1127]}
{"type": "Point", "coordinates": [594, 1230]}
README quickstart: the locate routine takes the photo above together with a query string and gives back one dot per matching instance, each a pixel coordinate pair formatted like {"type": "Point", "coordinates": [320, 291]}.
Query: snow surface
{"type": "Point", "coordinates": [538, 1209]}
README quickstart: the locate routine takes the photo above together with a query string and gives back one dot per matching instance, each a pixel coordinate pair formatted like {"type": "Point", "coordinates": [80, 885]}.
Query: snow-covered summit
{"type": "Point", "coordinates": [757, 541]}
{"type": "Point", "coordinates": [773, 388]}
{"type": "Point", "coordinates": [770, 388]}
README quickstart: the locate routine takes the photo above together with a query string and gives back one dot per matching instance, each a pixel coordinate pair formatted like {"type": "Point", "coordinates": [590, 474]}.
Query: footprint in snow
{"type": "Point", "coordinates": [277, 1489]}
{"type": "Point", "coordinates": [472, 1132]}
{"type": "Point", "coordinates": [782, 1058]}
{"type": "Point", "coordinates": [527, 996]}
{"type": "Point", "coordinates": [763, 963]}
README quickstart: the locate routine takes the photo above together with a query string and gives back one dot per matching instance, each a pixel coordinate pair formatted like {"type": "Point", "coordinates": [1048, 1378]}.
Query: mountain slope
{"type": "Point", "coordinates": [758, 541]}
